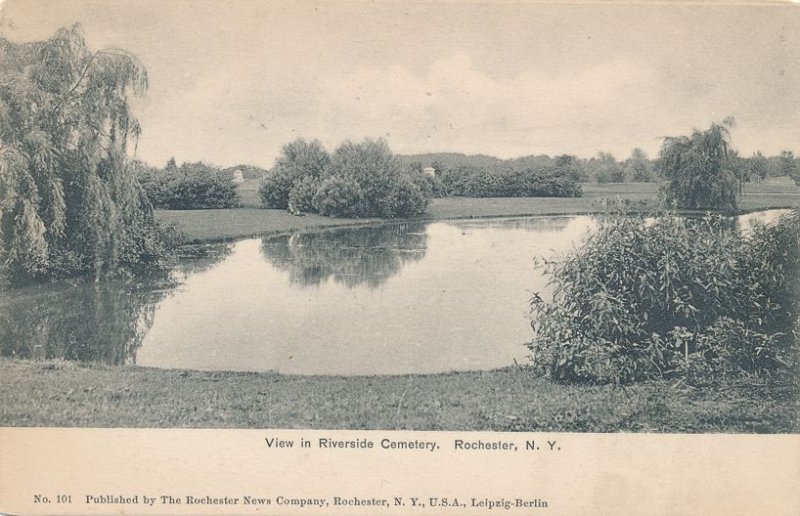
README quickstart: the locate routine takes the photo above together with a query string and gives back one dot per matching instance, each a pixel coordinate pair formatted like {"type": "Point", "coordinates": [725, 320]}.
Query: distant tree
{"type": "Point", "coordinates": [638, 167]}
{"type": "Point", "coordinates": [388, 188]}
{"type": "Point", "coordinates": [299, 159]}
{"type": "Point", "coordinates": [697, 169]}
{"type": "Point", "coordinates": [68, 202]}
{"type": "Point", "coordinates": [607, 169]}
{"type": "Point", "coordinates": [788, 166]}
{"type": "Point", "coordinates": [359, 180]}
{"type": "Point", "coordinates": [757, 165]}
{"type": "Point", "coordinates": [570, 167]}
{"type": "Point", "coordinates": [171, 167]}
{"type": "Point", "coordinates": [740, 169]}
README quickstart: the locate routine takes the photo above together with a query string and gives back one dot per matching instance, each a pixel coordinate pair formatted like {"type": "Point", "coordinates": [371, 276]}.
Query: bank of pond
{"type": "Point", "coordinates": [387, 299]}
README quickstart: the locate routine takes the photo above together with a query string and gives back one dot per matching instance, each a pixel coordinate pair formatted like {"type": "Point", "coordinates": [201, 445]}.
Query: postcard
{"type": "Point", "coordinates": [401, 257]}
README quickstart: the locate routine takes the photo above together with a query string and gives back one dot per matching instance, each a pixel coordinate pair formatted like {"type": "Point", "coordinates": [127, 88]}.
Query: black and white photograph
{"type": "Point", "coordinates": [497, 218]}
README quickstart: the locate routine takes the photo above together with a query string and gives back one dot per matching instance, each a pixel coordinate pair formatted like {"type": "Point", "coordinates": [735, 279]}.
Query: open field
{"type": "Point", "coordinates": [215, 225]}
{"type": "Point", "coordinates": [510, 399]}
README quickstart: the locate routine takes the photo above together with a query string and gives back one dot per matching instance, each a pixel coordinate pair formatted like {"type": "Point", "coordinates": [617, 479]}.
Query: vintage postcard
{"type": "Point", "coordinates": [401, 257]}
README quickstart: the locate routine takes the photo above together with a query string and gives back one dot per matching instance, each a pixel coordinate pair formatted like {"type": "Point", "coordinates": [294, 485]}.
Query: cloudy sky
{"type": "Point", "coordinates": [232, 81]}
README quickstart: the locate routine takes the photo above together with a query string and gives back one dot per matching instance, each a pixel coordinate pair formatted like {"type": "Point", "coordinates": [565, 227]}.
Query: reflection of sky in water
{"type": "Point", "coordinates": [747, 220]}
{"type": "Point", "coordinates": [460, 305]}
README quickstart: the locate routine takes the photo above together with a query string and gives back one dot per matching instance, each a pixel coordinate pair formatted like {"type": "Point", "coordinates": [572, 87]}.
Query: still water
{"type": "Point", "coordinates": [391, 299]}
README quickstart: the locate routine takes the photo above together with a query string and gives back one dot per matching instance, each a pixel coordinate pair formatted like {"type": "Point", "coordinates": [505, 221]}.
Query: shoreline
{"type": "Point", "coordinates": [60, 393]}
{"type": "Point", "coordinates": [226, 225]}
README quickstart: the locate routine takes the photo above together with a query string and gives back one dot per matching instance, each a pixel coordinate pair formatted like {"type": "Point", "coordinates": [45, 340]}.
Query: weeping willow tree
{"type": "Point", "coordinates": [67, 202]}
{"type": "Point", "coordinates": [698, 171]}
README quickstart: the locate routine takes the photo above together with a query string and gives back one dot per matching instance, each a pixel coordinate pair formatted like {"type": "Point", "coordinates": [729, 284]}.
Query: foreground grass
{"type": "Point", "coordinates": [228, 224]}
{"type": "Point", "coordinates": [58, 393]}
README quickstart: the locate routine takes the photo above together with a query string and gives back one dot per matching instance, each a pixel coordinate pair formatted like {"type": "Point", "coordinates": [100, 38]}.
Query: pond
{"type": "Point", "coordinates": [390, 299]}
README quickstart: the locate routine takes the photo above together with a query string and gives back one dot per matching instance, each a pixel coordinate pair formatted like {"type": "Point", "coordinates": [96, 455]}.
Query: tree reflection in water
{"type": "Point", "coordinates": [82, 321]}
{"type": "Point", "coordinates": [351, 256]}
{"type": "Point", "coordinates": [87, 321]}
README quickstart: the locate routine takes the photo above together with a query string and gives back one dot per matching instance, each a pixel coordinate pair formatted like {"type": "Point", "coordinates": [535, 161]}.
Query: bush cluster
{"type": "Point", "coordinates": [192, 186]}
{"type": "Point", "coordinates": [478, 181]}
{"type": "Point", "coordinates": [668, 296]}
{"type": "Point", "coordinates": [359, 180]}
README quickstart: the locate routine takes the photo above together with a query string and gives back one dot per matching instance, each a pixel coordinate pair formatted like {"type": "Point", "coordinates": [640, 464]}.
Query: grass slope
{"type": "Point", "coordinates": [226, 224]}
{"type": "Point", "coordinates": [510, 399]}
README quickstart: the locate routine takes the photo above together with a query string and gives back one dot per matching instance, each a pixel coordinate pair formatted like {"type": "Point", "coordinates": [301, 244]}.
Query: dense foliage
{"type": "Point", "coordinates": [698, 171]}
{"type": "Point", "coordinates": [638, 168]}
{"type": "Point", "coordinates": [650, 299]}
{"type": "Point", "coordinates": [606, 169]}
{"type": "Point", "coordinates": [789, 166]}
{"type": "Point", "coordinates": [192, 186]}
{"type": "Point", "coordinates": [758, 169]}
{"type": "Point", "coordinates": [508, 182]}
{"type": "Point", "coordinates": [67, 204]}
{"type": "Point", "coordinates": [359, 180]}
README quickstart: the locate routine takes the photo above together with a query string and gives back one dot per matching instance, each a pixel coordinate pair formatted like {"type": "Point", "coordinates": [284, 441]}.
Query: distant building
{"type": "Point", "coordinates": [238, 177]}
{"type": "Point", "coordinates": [429, 171]}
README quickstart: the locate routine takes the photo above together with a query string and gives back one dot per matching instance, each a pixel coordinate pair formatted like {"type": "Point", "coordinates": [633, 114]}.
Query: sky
{"type": "Point", "coordinates": [232, 82]}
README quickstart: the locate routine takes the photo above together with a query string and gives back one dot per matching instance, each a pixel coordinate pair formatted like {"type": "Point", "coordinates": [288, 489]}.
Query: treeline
{"type": "Point", "coordinates": [605, 168]}
{"type": "Point", "coordinates": [505, 181]}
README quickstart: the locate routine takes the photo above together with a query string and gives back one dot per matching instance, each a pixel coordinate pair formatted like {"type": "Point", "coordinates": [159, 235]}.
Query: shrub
{"type": "Point", "coordinates": [359, 180]}
{"type": "Point", "coordinates": [644, 299]}
{"type": "Point", "coordinates": [301, 196]}
{"type": "Point", "coordinates": [299, 159]}
{"type": "Point", "coordinates": [193, 186]}
{"type": "Point", "coordinates": [274, 189]}
{"type": "Point", "coordinates": [772, 257]}
{"type": "Point", "coordinates": [474, 181]}
{"type": "Point", "coordinates": [404, 198]}
{"type": "Point", "coordinates": [339, 197]}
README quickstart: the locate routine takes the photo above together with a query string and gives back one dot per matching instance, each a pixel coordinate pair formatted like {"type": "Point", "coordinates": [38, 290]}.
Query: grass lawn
{"type": "Point", "coordinates": [215, 225]}
{"type": "Point", "coordinates": [510, 399]}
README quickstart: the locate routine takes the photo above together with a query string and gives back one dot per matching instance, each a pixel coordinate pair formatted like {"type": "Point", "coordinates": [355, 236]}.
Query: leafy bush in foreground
{"type": "Point", "coordinates": [648, 299]}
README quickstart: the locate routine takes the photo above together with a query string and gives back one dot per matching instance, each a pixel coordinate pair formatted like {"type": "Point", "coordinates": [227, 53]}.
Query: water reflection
{"type": "Point", "coordinates": [84, 321]}
{"type": "Point", "coordinates": [351, 256]}
{"type": "Point", "coordinates": [460, 303]}
{"type": "Point", "coordinates": [92, 322]}
{"type": "Point", "coordinates": [547, 224]}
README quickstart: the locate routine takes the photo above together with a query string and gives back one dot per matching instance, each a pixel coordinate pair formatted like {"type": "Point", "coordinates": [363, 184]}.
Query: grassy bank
{"type": "Point", "coordinates": [214, 225]}
{"type": "Point", "coordinates": [511, 399]}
